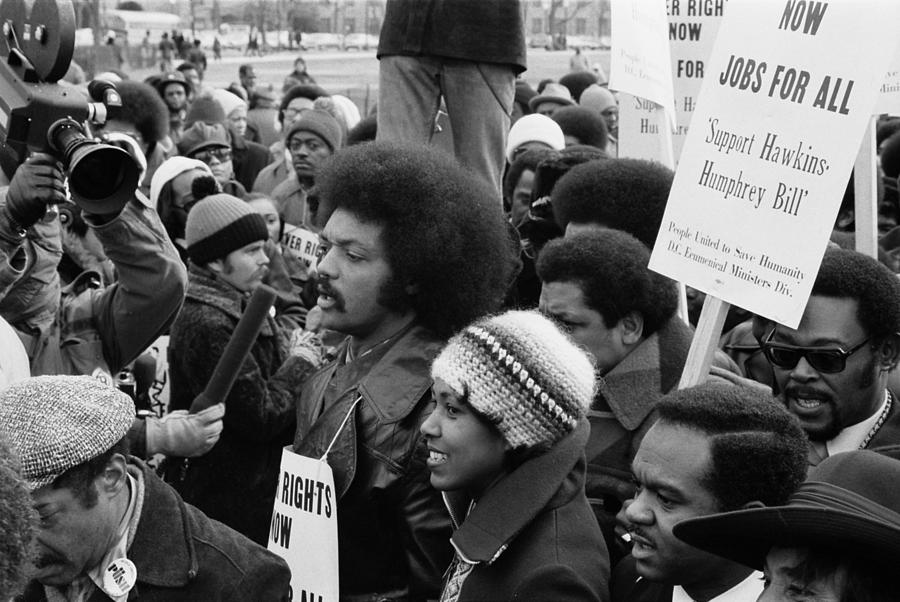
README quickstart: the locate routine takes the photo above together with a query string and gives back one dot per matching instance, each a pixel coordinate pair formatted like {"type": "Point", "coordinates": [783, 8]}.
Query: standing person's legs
{"type": "Point", "coordinates": [409, 95]}
{"type": "Point", "coordinates": [479, 99]}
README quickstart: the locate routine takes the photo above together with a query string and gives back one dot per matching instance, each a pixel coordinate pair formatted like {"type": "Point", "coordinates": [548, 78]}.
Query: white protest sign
{"type": "Point", "coordinates": [889, 97]}
{"type": "Point", "coordinates": [692, 28]}
{"type": "Point", "coordinates": [301, 243]}
{"type": "Point", "coordinates": [304, 527]}
{"type": "Point", "coordinates": [786, 97]}
{"type": "Point", "coordinates": [640, 63]}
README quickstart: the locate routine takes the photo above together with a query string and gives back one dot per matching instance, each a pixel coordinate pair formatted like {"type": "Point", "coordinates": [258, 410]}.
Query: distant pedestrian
{"type": "Point", "coordinates": [579, 62]}
{"type": "Point", "coordinates": [217, 49]}
{"type": "Point", "coordinates": [146, 50]}
{"type": "Point", "coordinates": [166, 53]}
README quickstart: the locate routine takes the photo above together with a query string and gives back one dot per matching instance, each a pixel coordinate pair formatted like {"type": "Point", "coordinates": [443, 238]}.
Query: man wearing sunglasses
{"type": "Point", "coordinates": [833, 369]}
{"type": "Point", "coordinates": [208, 142]}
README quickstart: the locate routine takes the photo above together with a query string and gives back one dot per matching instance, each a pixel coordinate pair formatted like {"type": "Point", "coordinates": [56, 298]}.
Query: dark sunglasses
{"type": "Point", "coordinates": [206, 155]}
{"type": "Point", "coordinates": [823, 359]}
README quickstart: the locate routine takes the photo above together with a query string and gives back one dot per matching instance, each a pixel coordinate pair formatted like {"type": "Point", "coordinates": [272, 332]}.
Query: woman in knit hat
{"type": "Point", "coordinates": [506, 446]}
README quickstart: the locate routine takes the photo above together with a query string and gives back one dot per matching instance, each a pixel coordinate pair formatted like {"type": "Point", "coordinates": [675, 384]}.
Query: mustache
{"type": "Point", "coordinates": [326, 289]}
{"type": "Point", "coordinates": [47, 559]}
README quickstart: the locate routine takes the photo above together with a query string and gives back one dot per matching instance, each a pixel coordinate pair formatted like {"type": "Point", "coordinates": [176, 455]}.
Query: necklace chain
{"type": "Point", "coordinates": [884, 413]}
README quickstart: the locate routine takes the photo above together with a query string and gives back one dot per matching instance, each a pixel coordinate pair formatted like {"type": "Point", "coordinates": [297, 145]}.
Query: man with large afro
{"type": "Point", "coordinates": [623, 194]}
{"type": "Point", "coordinates": [413, 249]}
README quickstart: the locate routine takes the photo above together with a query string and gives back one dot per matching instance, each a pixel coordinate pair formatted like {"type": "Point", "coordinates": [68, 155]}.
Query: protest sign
{"type": "Point", "coordinates": [304, 527]}
{"type": "Point", "coordinates": [786, 97]}
{"type": "Point", "coordinates": [692, 28]}
{"type": "Point", "coordinates": [640, 63]}
{"type": "Point", "coordinates": [301, 243]}
{"type": "Point", "coordinates": [889, 97]}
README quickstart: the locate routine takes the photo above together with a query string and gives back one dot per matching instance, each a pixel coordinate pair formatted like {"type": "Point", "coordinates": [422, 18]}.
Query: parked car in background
{"type": "Point", "coordinates": [322, 41]}
{"type": "Point", "coordinates": [584, 42]}
{"type": "Point", "coordinates": [540, 40]}
{"type": "Point", "coordinates": [360, 41]}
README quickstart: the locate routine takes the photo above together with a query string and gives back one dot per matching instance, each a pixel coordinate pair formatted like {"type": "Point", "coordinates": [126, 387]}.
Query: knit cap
{"type": "Point", "coordinates": [206, 109]}
{"type": "Point", "coordinates": [168, 170]}
{"type": "Point", "coordinates": [534, 128]}
{"type": "Point", "coordinates": [582, 123]}
{"type": "Point", "coordinates": [597, 98]}
{"type": "Point", "coordinates": [227, 100]}
{"type": "Point", "coordinates": [58, 422]}
{"type": "Point", "coordinates": [203, 135]}
{"type": "Point", "coordinates": [521, 374]}
{"type": "Point", "coordinates": [220, 224]}
{"type": "Point", "coordinates": [320, 123]}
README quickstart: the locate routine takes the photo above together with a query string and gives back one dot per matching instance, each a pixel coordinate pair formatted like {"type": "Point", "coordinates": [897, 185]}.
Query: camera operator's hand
{"type": "Point", "coordinates": [37, 183]}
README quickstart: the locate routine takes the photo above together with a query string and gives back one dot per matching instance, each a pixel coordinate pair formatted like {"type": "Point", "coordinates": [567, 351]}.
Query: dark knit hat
{"type": "Point", "coordinates": [522, 374]}
{"type": "Point", "coordinates": [320, 123]}
{"type": "Point", "coordinates": [203, 135]}
{"type": "Point", "coordinates": [205, 109]}
{"type": "Point", "coordinates": [220, 224]}
{"type": "Point", "coordinates": [577, 81]}
{"type": "Point", "coordinates": [582, 123]}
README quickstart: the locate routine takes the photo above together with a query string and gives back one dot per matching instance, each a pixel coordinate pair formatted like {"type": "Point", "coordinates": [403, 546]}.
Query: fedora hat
{"type": "Point", "coordinates": [552, 92]}
{"type": "Point", "coordinates": [849, 502]}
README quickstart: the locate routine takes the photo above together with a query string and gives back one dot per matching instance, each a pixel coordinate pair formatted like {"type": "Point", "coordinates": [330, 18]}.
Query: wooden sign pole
{"type": "Point", "coordinates": [865, 189]}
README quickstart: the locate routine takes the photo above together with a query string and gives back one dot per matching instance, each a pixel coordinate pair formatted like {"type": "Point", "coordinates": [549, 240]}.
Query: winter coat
{"type": "Point", "coordinates": [481, 31]}
{"type": "Point", "coordinates": [621, 415]}
{"type": "Point", "coordinates": [183, 556]}
{"type": "Point", "coordinates": [532, 535]}
{"type": "Point", "coordinates": [393, 528]}
{"type": "Point", "coordinates": [90, 330]}
{"type": "Point", "coordinates": [235, 481]}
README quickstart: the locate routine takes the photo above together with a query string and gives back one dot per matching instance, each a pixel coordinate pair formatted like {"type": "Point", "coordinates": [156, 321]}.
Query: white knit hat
{"type": "Point", "coordinates": [168, 170]}
{"type": "Point", "coordinates": [534, 128]}
{"type": "Point", "coordinates": [227, 100]}
{"type": "Point", "coordinates": [597, 98]}
{"type": "Point", "coordinates": [522, 374]}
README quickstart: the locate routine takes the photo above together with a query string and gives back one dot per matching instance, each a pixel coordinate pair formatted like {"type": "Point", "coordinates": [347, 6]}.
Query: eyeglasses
{"type": "Point", "coordinates": [823, 359]}
{"type": "Point", "coordinates": [206, 155]}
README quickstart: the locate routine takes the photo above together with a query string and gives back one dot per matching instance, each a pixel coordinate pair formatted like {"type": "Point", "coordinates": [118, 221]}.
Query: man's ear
{"type": "Point", "coordinates": [113, 480]}
{"type": "Point", "coordinates": [631, 328]}
{"type": "Point", "coordinates": [889, 351]}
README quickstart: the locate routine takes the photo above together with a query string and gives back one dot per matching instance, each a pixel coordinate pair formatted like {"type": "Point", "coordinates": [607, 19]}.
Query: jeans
{"type": "Point", "coordinates": [478, 96]}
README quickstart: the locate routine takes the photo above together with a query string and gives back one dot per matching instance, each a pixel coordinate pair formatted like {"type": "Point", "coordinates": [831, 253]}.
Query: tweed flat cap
{"type": "Point", "coordinates": [58, 422]}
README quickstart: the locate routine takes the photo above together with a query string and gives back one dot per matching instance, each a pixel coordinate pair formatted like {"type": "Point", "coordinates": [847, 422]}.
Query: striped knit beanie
{"type": "Point", "coordinates": [220, 224]}
{"type": "Point", "coordinates": [522, 374]}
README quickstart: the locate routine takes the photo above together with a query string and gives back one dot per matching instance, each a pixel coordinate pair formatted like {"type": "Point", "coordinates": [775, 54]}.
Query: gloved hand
{"type": "Point", "coordinates": [37, 183]}
{"type": "Point", "coordinates": [307, 345]}
{"type": "Point", "coordinates": [186, 435]}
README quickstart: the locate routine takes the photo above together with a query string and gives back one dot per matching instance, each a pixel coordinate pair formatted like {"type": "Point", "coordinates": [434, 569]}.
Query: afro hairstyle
{"type": "Point", "coordinates": [610, 268]}
{"type": "Point", "coordinates": [443, 230]}
{"type": "Point", "coordinates": [578, 81]}
{"type": "Point", "coordinates": [624, 194]}
{"type": "Point", "coordinates": [584, 124]}
{"type": "Point", "coordinates": [758, 450]}
{"type": "Point", "coordinates": [364, 131]}
{"type": "Point", "coordinates": [18, 524]}
{"type": "Point", "coordinates": [310, 91]}
{"type": "Point", "coordinates": [144, 108]}
{"type": "Point", "coordinates": [849, 274]}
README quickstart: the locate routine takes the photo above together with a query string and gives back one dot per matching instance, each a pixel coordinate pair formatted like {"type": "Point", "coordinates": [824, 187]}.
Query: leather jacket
{"type": "Point", "coordinates": [394, 530]}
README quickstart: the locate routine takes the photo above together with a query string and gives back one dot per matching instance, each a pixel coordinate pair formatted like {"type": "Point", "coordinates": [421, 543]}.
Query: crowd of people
{"type": "Point", "coordinates": [472, 338]}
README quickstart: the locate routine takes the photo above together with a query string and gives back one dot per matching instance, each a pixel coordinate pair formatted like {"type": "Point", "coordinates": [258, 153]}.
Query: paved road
{"type": "Point", "coordinates": [355, 73]}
